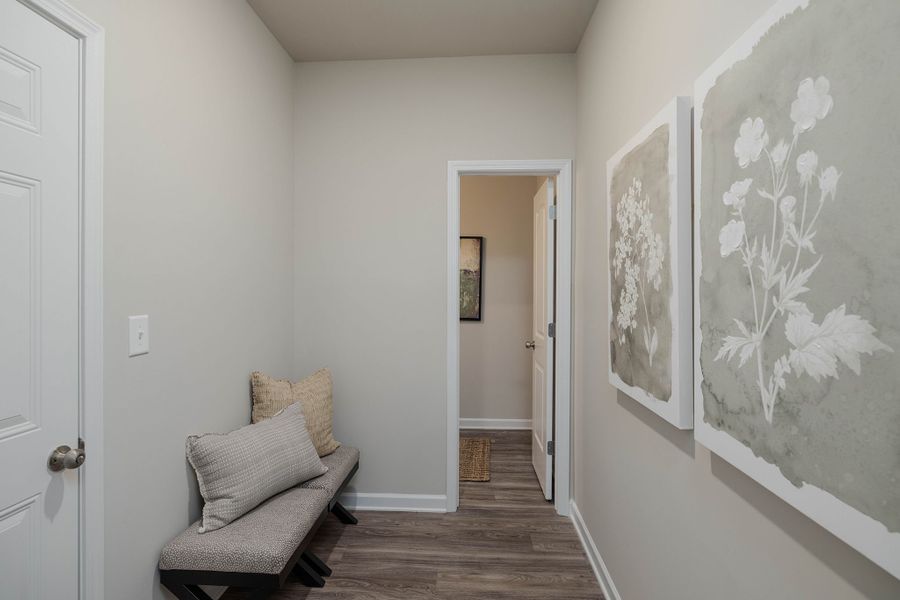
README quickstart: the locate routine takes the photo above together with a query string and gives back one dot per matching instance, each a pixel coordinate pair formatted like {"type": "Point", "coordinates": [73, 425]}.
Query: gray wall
{"type": "Point", "coordinates": [670, 519]}
{"type": "Point", "coordinates": [198, 211]}
{"type": "Point", "coordinates": [372, 143]}
{"type": "Point", "coordinates": [494, 365]}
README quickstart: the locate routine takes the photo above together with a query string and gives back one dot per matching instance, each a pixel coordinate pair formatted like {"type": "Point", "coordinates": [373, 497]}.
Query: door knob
{"type": "Point", "coordinates": [65, 457]}
{"type": "Point", "coordinates": [530, 344]}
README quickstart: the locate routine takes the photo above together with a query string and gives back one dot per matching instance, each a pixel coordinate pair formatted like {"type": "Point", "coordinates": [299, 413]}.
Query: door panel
{"type": "Point", "coordinates": [542, 358]}
{"type": "Point", "coordinates": [18, 249]}
{"type": "Point", "coordinates": [19, 544]}
{"type": "Point", "coordinates": [39, 304]}
{"type": "Point", "coordinates": [19, 91]}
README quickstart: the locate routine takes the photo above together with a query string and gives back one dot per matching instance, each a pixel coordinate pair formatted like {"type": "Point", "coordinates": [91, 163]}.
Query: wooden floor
{"type": "Point", "coordinates": [505, 541]}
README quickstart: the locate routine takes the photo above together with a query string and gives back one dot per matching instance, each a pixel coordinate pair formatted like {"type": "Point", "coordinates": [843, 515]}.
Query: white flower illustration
{"type": "Point", "coordinates": [640, 254]}
{"type": "Point", "coordinates": [788, 214]}
{"type": "Point", "coordinates": [751, 141]}
{"type": "Point", "coordinates": [735, 196]}
{"type": "Point", "coordinates": [774, 263]}
{"type": "Point", "coordinates": [731, 236]}
{"type": "Point", "coordinates": [628, 301]}
{"type": "Point", "coordinates": [656, 254]}
{"type": "Point", "coordinates": [806, 166]}
{"type": "Point", "coordinates": [813, 103]}
{"type": "Point", "coordinates": [828, 181]}
{"type": "Point", "coordinates": [779, 155]}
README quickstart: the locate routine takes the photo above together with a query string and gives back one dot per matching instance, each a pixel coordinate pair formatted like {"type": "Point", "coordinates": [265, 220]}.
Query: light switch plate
{"type": "Point", "coordinates": [138, 335]}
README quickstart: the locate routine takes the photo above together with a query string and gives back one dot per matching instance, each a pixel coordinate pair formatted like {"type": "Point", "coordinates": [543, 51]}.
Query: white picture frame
{"type": "Point", "coordinates": [677, 409]}
{"type": "Point", "coordinates": [862, 532]}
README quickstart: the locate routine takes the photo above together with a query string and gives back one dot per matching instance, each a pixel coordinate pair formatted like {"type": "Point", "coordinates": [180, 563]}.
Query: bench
{"type": "Point", "coordinates": [259, 550]}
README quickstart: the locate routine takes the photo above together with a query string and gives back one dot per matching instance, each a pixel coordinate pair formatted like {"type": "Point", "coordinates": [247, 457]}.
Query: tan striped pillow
{"type": "Point", "coordinates": [271, 395]}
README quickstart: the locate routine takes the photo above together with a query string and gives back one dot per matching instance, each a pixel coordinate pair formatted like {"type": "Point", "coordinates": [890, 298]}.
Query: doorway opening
{"type": "Point", "coordinates": [509, 316]}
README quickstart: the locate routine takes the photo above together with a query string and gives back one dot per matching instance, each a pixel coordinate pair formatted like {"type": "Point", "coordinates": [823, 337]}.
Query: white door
{"type": "Point", "coordinates": [541, 342]}
{"type": "Point", "coordinates": [39, 304]}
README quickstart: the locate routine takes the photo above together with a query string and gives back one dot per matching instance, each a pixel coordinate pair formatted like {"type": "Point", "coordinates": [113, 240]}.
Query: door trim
{"type": "Point", "coordinates": [562, 170]}
{"type": "Point", "coordinates": [90, 38]}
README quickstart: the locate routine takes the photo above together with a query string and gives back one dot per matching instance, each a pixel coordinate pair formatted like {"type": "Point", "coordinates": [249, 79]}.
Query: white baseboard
{"type": "Point", "coordinates": [495, 423]}
{"type": "Point", "coordinates": [600, 571]}
{"type": "Point", "coordinates": [395, 502]}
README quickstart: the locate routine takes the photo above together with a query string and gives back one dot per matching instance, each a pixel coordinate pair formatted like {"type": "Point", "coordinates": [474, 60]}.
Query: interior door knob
{"type": "Point", "coordinates": [65, 457]}
{"type": "Point", "coordinates": [530, 344]}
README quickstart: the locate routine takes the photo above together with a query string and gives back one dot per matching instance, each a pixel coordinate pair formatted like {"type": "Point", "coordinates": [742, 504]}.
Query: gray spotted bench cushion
{"type": "Point", "coordinates": [339, 463]}
{"type": "Point", "coordinates": [262, 541]}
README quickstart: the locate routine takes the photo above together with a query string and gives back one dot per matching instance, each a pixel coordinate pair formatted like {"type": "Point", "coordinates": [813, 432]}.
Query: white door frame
{"type": "Point", "coordinates": [90, 175]}
{"type": "Point", "coordinates": [562, 170]}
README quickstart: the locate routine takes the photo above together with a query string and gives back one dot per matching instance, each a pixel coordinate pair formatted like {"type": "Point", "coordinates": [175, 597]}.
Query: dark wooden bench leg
{"type": "Point", "coordinates": [316, 563]}
{"type": "Point", "coordinates": [308, 575]}
{"type": "Point", "coordinates": [187, 592]}
{"type": "Point", "coordinates": [198, 592]}
{"type": "Point", "coordinates": [343, 515]}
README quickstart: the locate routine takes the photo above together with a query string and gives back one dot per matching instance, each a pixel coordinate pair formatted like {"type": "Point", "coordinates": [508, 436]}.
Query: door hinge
{"type": "Point", "coordinates": [551, 212]}
{"type": "Point", "coordinates": [551, 330]}
{"type": "Point", "coordinates": [551, 447]}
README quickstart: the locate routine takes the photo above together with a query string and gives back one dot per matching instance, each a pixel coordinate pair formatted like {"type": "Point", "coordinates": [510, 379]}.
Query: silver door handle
{"type": "Point", "coordinates": [65, 457]}
{"type": "Point", "coordinates": [530, 344]}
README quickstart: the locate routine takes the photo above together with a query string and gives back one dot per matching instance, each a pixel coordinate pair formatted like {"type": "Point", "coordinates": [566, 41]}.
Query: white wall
{"type": "Point", "coordinates": [671, 520]}
{"type": "Point", "coordinates": [372, 143]}
{"type": "Point", "coordinates": [198, 211]}
{"type": "Point", "coordinates": [494, 365]}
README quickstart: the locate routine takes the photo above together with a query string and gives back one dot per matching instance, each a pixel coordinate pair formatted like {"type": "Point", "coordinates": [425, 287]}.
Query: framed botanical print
{"type": "Point", "coordinates": [797, 278]}
{"type": "Point", "coordinates": [649, 229]}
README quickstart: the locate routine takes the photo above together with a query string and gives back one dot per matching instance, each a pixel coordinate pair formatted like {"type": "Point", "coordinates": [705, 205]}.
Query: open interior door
{"type": "Point", "coordinates": [542, 363]}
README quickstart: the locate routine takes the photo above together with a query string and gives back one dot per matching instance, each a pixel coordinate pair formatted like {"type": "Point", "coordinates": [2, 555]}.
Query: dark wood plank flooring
{"type": "Point", "coordinates": [505, 542]}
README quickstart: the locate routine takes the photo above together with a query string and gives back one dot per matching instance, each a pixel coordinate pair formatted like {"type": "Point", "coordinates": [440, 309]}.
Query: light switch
{"type": "Point", "coordinates": [138, 335]}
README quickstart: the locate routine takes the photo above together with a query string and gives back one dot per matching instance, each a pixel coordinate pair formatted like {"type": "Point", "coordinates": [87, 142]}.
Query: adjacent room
{"type": "Point", "coordinates": [449, 300]}
{"type": "Point", "coordinates": [503, 368]}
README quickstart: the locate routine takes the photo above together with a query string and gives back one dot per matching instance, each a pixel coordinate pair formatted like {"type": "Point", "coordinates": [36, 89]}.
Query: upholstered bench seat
{"type": "Point", "coordinates": [340, 464]}
{"type": "Point", "coordinates": [262, 541]}
{"type": "Point", "coordinates": [260, 549]}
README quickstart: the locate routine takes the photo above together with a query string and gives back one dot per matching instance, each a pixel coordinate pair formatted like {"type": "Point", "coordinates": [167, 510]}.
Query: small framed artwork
{"type": "Point", "coordinates": [471, 268]}
{"type": "Point", "coordinates": [649, 228]}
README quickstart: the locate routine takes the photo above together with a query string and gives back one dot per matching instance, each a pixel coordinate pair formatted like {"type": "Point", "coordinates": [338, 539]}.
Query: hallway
{"type": "Point", "coordinates": [505, 541]}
